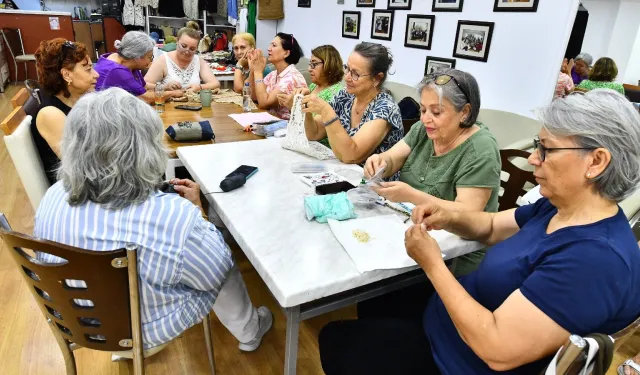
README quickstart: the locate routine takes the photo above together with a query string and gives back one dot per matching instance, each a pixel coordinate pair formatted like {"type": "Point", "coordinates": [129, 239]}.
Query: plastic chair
{"type": "Point", "coordinates": [112, 320]}
{"type": "Point", "coordinates": [13, 40]}
{"type": "Point", "coordinates": [25, 156]}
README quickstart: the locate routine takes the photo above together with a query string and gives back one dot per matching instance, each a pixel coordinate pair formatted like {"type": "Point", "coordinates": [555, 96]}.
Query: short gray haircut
{"type": "Point", "coordinates": [454, 94]}
{"type": "Point", "coordinates": [601, 118]}
{"type": "Point", "coordinates": [587, 58]}
{"type": "Point", "coordinates": [134, 45]}
{"type": "Point", "coordinates": [111, 150]}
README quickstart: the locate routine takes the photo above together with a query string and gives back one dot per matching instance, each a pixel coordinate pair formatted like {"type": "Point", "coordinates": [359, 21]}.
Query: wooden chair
{"type": "Point", "coordinates": [12, 121]}
{"type": "Point", "coordinates": [514, 184]}
{"type": "Point", "coordinates": [20, 98]}
{"type": "Point", "coordinates": [113, 323]}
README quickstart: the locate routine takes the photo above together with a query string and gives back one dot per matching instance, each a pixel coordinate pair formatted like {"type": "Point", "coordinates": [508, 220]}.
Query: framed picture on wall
{"type": "Point", "coordinates": [473, 40]}
{"type": "Point", "coordinates": [351, 25]}
{"type": "Point", "coordinates": [382, 24]}
{"type": "Point", "coordinates": [399, 4]}
{"type": "Point", "coordinates": [304, 3]}
{"type": "Point", "coordinates": [516, 6]}
{"type": "Point", "coordinates": [447, 6]}
{"type": "Point", "coordinates": [366, 3]}
{"type": "Point", "coordinates": [419, 32]}
{"type": "Point", "coordinates": [435, 64]}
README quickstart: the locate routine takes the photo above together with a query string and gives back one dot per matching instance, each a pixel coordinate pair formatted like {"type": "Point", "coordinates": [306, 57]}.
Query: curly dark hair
{"type": "Point", "coordinates": [53, 55]}
{"type": "Point", "coordinates": [604, 69]}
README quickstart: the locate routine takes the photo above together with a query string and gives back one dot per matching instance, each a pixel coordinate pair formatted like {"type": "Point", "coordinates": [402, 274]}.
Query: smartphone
{"type": "Point", "coordinates": [336, 187]}
{"type": "Point", "coordinates": [245, 170]}
{"type": "Point", "coordinates": [189, 107]}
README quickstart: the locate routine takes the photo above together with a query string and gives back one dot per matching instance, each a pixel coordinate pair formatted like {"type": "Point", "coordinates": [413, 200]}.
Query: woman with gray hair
{"type": "Point", "coordinates": [580, 67]}
{"type": "Point", "coordinates": [362, 118]}
{"type": "Point", "coordinates": [567, 264]}
{"type": "Point", "coordinates": [123, 68]}
{"type": "Point", "coordinates": [108, 192]}
{"type": "Point", "coordinates": [448, 158]}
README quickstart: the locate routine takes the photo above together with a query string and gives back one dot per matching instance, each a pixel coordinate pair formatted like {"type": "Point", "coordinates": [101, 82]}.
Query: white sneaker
{"type": "Point", "coordinates": [265, 321]}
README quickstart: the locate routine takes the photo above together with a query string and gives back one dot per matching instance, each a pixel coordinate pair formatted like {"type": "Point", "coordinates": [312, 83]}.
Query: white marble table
{"type": "Point", "coordinates": [301, 262]}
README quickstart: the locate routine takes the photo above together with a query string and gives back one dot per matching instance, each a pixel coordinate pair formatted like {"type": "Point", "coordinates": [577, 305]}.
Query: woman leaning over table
{"type": "Point", "coordinates": [568, 264]}
{"type": "Point", "coordinates": [244, 43]}
{"type": "Point", "coordinates": [182, 69]}
{"type": "Point", "coordinates": [65, 74]}
{"type": "Point", "coordinates": [123, 69]}
{"type": "Point", "coordinates": [284, 52]}
{"type": "Point", "coordinates": [361, 119]}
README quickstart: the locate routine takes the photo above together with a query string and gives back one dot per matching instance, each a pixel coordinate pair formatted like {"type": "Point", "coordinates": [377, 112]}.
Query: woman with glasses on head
{"type": "Point", "coordinates": [284, 52]}
{"type": "Point", "coordinates": [567, 264]}
{"type": "Point", "coordinates": [244, 43]}
{"type": "Point", "coordinates": [65, 74]}
{"type": "Point", "coordinates": [182, 69]}
{"type": "Point", "coordinates": [124, 68]}
{"type": "Point", "coordinates": [361, 119]}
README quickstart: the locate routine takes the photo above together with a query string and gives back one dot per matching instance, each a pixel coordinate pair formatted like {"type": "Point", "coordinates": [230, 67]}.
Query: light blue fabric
{"type": "Point", "coordinates": [330, 206]}
{"type": "Point", "coordinates": [182, 258]}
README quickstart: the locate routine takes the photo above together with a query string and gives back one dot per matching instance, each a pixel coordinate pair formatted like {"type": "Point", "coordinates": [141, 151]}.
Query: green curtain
{"type": "Point", "coordinates": [251, 17]}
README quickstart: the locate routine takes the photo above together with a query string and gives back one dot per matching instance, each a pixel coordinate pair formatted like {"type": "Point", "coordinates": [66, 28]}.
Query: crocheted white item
{"type": "Point", "coordinates": [296, 139]}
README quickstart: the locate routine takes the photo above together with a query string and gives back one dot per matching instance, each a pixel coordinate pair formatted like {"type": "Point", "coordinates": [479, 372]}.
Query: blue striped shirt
{"type": "Point", "coordinates": [182, 258]}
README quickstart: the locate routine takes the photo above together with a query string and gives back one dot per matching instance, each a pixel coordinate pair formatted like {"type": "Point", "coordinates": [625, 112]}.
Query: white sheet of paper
{"type": "Point", "coordinates": [385, 249]}
{"type": "Point", "coordinates": [532, 195]}
{"type": "Point", "coordinates": [245, 119]}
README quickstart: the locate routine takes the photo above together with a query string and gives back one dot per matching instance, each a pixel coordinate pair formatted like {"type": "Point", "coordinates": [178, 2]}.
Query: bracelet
{"type": "Point", "coordinates": [258, 81]}
{"type": "Point", "coordinates": [331, 121]}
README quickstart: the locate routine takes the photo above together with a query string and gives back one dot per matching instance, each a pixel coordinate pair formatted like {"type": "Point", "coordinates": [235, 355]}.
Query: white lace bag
{"type": "Point", "coordinates": [296, 139]}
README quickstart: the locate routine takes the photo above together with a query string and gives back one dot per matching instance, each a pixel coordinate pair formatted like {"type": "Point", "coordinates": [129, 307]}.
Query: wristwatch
{"type": "Point", "coordinates": [238, 66]}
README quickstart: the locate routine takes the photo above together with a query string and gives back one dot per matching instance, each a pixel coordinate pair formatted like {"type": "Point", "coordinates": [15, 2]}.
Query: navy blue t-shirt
{"type": "Point", "coordinates": [586, 278]}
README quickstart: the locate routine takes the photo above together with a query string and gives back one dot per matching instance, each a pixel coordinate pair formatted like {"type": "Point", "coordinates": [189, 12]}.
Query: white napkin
{"type": "Point", "coordinates": [385, 249]}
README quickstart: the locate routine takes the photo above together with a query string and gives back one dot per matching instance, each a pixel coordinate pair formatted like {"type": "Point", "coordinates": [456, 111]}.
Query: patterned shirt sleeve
{"type": "Point", "coordinates": [386, 109]}
{"type": "Point", "coordinates": [206, 257]}
{"type": "Point", "coordinates": [270, 81]}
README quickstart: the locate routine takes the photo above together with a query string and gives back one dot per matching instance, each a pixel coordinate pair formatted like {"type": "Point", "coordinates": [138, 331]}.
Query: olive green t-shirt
{"type": "Point", "coordinates": [473, 164]}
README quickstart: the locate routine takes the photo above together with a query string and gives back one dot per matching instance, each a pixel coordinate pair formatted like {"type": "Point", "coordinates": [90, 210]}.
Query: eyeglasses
{"type": "Point", "coordinates": [312, 65]}
{"type": "Point", "coordinates": [355, 76]}
{"type": "Point", "coordinates": [443, 79]}
{"type": "Point", "coordinates": [542, 151]}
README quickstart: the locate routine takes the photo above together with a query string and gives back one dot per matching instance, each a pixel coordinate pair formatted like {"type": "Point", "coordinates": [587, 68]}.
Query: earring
{"type": "Point", "coordinates": [68, 83]}
{"type": "Point", "coordinates": [588, 175]}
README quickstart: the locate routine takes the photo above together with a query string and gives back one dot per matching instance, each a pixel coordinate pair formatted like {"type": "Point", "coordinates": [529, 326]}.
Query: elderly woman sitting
{"type": "Point", "coordinates": [111, 196]}
{"type": "Point", "coordinates": [448, 157]}
{"type": "Point", "coordinates": [568, 264]}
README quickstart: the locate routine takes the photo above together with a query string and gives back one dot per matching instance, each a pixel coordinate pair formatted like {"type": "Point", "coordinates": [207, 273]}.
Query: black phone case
{"type": "Point", "coordinates": [336, 187]}
{"type": "Point", "coordinates": [189, 107]}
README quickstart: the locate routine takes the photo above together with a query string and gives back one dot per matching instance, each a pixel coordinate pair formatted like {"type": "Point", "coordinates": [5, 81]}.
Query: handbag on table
{"type": "Point", "coordinates": [191, 131]}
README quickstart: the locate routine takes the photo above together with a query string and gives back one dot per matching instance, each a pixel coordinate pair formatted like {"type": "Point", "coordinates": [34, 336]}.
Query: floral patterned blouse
{"type": "Point", "coordinates": [287, 81]}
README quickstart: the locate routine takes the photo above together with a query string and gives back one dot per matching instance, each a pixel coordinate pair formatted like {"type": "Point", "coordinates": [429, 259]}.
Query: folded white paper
{"type": "Point", "coordinates": [385, 247]}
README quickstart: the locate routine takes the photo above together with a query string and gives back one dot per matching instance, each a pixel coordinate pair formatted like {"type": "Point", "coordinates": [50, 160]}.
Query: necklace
{"type": "Point", "coordinates": [355, 107]}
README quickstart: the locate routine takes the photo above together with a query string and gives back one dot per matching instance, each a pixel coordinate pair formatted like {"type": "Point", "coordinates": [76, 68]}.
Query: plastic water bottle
{"type": "Point", "coordinates": [159, 91]}
{"type": "Point", "coordinates": [246, 97]}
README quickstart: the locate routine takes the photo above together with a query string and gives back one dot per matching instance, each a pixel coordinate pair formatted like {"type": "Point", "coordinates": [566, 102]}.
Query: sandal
{"type": "Point", "coordinates": [631, 363]}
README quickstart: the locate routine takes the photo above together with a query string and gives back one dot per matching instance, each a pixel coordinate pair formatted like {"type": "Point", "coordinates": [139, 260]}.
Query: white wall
{"type": "Point", "coordinates": [623, 36]}
{"type": "Point", "coordinates": [602, 18]}
{"type": "Point", "coordinates": [524, 60]}
{"type": "Point", "coordinates": [632, 75]}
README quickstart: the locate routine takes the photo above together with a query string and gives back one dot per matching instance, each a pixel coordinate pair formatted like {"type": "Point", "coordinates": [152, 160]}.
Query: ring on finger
{"type": "Point", "coordinates": [306, 105]}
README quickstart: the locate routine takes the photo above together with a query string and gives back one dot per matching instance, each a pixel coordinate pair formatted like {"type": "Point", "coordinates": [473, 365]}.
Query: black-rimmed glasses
{"type": "Point", "coordinates": [354, 75]}
{"type": "Point", "coordinates": [443, 79]}
{"type": "Point", "coordinates": [312, 65]}
{"type": "Point", "coordinates": [542, 150]}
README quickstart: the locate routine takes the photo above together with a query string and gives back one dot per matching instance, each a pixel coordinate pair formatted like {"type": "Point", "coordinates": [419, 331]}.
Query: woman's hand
{"type": "Point", "coordinates": [304, 91]}
{"type": "Point", "coordinates": [173, 85]}
{"type": "Point", "coordinates": [285, 100]}
{"type": "Point", "coordinates": [188, 190]}
{"type": "Point", "coordinates": [195, 87]}
{"type": "Point", "coordinates": [422, 248]}
{"type": "Point", "coordinates": [395, 191]}
{"type": "Point", "coordinates": [432, 216]}
{"type": "Point", "coordinates": [313, 104]}
{"type": "Point", "coordinates": [570, 65]}
{"type": "Point", "coordinates": [259, 61]}
{"type": "Point", "coordinates": [373, 164]}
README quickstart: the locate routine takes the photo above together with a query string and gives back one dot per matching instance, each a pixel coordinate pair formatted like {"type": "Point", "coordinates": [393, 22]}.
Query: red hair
{"type": "Point", "coordinates": [53, 55]}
